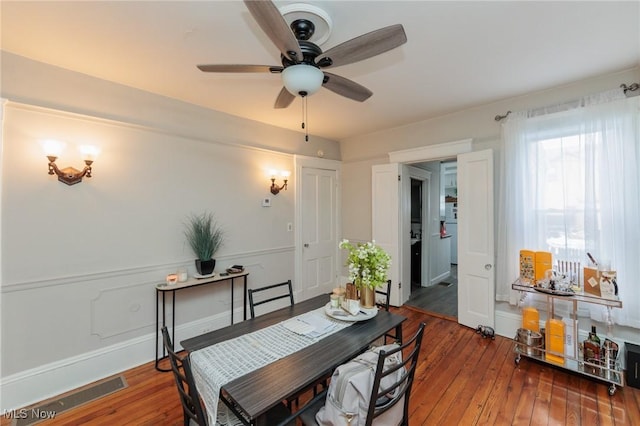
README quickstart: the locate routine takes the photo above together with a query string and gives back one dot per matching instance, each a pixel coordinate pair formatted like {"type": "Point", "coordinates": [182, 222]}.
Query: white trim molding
{"type": "Point", "coordinates": [431, 152]}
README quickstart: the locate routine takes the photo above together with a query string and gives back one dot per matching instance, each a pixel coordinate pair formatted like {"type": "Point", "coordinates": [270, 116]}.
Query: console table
{"type": "Point", "coordinates": [163, 288]}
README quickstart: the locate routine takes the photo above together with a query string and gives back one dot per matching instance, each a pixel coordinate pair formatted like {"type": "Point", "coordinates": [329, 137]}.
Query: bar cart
{"type": "Point", "coordinates": [611, 374]}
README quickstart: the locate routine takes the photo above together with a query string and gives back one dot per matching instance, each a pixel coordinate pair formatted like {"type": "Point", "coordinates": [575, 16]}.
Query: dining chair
{"type": "Point", "coordinates": [383, 303]}
{"type": "Point", "coordinates": [380, 400]}
{"type": "Point", "coordinates": [266, 295]}
{"type": "Point", "coordinates": [193, 411]}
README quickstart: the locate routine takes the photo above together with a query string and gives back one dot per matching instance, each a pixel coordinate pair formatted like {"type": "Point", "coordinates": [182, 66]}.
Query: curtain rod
{"type": "Point", "coordinates": [630, 88]}
{"type": "Point", "coordinates": [502, 117]}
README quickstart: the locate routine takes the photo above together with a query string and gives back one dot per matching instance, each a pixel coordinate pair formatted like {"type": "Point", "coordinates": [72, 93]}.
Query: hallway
{"type": "Point", "coordinates": [440, 299]}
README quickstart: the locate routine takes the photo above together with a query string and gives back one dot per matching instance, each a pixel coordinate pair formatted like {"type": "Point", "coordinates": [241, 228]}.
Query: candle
{"type": "Point", "coordinates": [335, 301]}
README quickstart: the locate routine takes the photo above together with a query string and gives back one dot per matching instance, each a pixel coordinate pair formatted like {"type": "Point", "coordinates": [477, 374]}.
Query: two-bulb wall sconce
{"type": "Point", "coordinates": [69, 175]}
{"type": "Point", "coordinates": [275, 189]}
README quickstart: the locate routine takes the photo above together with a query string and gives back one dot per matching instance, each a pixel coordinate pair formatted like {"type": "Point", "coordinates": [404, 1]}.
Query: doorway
{"type": "Point", "coordinates": [476, 279]}
{"type": "Point", "coordinates": [435, 290]}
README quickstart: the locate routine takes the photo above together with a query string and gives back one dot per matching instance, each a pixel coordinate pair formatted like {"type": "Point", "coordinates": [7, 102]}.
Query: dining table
{"type": "Point", "coordinates": [252, 395]}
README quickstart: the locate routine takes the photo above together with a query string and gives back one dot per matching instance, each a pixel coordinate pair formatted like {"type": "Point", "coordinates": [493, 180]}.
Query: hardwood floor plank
{"type": "Point", "coordinates": [588, 404]}
{"type": "Point", "coordinates": [558, 406]}
{"type": "Point", "coordinates": [495, 401]}
{"type": "Point", "coordinates": [461, 379]}
{"type": "Point", "coordinates": [479, 399]}
{"type": "Point", "coordinates": [440, 372]}
{"type": "Point", "coordinates": [524, 407]}
{"type": "Point", "coordinates": [630, 407]}
{"type": "Point", "coordinates": [603, 402]}
{"type": "Point", "coordinates": [542, 402]}
{"type": "Point", "coordinates": [573, 400]}
{"type": "Point", "coordinates": [448, 411]}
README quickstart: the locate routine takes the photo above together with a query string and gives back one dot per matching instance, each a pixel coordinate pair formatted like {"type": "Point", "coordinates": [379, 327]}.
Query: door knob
{"type": "Point", "coordinates": [487, 266]}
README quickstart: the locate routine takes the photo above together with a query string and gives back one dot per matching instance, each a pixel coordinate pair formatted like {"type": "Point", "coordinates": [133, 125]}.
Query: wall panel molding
{"type": "Point", "coordinates": [128, 272]}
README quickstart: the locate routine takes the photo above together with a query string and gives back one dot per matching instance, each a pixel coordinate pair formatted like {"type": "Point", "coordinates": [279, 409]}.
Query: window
{"type": "Point", "coordinates": [571, 185]}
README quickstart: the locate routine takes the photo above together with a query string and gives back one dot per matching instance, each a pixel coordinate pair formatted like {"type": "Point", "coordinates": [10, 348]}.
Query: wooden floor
{"type": "Point", "coordinates": [461, 379]}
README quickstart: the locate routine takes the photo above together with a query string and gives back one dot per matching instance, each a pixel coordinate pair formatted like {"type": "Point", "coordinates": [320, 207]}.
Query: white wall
{"type": "Point", "coordinates": [79, 263]}
{"type": "Point", "coordinates": [477, 124]}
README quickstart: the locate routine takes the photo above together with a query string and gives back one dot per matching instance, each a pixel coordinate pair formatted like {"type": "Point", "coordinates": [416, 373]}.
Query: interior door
{"type": "Point", "coordinates": [318, 235]}
{"type": "Point", "coordinates": [388, 216]}
{"type": "Point", "coordinates": [476, 272]}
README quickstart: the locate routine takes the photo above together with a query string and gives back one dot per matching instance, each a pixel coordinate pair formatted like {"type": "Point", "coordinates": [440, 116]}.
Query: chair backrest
{"type": "Point", "coordinates": [266, 295]}
{"type": "Point", "coordinates": [383, 303]}
{"type": "Point", "coordinates": [189, 397]}
{"type": "Point", "coordinates": [384, 399]}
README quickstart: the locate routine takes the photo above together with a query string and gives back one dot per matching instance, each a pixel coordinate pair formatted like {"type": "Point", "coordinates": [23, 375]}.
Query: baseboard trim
{"type": "Point", "coordinates": [48, 381]}
{"type": "Point", "coordinates": [507, 323]}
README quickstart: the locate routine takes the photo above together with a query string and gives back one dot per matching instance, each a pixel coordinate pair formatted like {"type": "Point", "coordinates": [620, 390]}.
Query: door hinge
{"type": "Point", "coordinates": [399, 178]}
{"type": "Point", "coordinates": [399, 285]}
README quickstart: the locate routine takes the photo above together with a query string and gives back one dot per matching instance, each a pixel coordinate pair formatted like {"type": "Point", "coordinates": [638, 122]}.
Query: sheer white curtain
{"type": "Point", "coordinates": [571, 185]}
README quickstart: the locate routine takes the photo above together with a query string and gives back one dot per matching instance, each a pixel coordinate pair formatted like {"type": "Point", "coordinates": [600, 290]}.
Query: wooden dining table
{"type": "Point", "coordinates": [254, 394]}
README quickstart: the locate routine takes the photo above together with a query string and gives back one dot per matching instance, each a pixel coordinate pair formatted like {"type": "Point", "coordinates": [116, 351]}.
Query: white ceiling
{"type": "Point", "coordinates": [458, 54]}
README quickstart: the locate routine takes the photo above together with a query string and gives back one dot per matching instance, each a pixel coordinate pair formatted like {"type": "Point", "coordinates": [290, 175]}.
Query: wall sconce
{"type": "Point", "coordinates": [275, 189]}
{"type": "Point", "coordinates": [69, 175]}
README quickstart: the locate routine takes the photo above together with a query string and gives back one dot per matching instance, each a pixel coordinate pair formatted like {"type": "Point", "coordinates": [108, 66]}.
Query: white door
{"type": "Point", "coordinates": [318, 236]}
{"type": "Point", "coordinates": [476, 272]}
{"type": "Point", "coordinates": [389, 182]}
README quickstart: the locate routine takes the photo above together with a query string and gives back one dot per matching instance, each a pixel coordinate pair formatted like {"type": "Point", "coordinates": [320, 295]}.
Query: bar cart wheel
{"type": "Point", "coordinates": [517, 359]}
{"type": "Point", "coordinates": [612, 390]}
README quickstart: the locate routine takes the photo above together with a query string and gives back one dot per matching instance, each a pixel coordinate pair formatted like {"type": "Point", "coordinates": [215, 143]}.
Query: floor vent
{"type": "Point", "coordinates": [51, 409]}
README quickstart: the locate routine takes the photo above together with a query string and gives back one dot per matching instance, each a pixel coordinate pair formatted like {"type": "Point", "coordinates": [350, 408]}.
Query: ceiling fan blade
{"type": "Point", "coordinates": [364, 46]}
{"type": "Point", "coordinates": [241, 68]}
{"type": "Point", "coordinates": [284, 99]}
{"type": "Point", "coordinates": [275, 27]}
{"type": "Point", "coordinates": [347, 88]}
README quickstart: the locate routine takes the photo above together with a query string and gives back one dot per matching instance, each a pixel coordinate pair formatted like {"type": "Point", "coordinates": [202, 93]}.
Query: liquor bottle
{"type": "Point", "coordinates": [593, 336]}
{"type": "Point", "coordinates": [592, 351]}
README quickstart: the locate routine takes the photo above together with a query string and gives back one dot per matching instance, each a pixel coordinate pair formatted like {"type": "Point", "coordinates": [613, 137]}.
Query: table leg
{"type": "Point", "coordinates": [399, 333]}
{"type": "Point", "coordinates": [232, 282]}
{"type": "Point", "coordinates": [244, 303]}
{"type": "Point", "coordinates": [164, 320]}
{"type": "Point", "coordinates": [157, 323]}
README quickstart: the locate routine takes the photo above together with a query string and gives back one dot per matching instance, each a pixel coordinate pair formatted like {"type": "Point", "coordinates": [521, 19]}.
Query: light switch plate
{"type": "Point", "coordinates": [266, 202]}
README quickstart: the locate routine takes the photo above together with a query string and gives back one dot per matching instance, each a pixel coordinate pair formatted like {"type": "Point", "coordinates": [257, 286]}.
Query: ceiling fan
{"type": "Point", "coordinates": [303, 61]}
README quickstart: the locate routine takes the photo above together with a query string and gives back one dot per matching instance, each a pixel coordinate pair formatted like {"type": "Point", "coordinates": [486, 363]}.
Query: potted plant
{"type": "Point", "coordinates": [368, 265]}
{"type": "Point", "coordinates": [205, 238]}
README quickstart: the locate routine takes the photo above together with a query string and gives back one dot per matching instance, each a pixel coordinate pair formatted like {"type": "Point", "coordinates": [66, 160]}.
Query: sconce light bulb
{"type": "Point", "coordinates": [52, 148]}
{"type": "Point", "coordinates": [89, 152]}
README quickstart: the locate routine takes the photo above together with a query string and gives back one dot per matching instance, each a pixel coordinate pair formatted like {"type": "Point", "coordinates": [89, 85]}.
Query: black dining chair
{"type": "Point", "coordinates": [270, 293]}
{"type": "Point", "coordinates": [193, 411]}
{"type": "Point", "coordinates": [383, 303]}
{"type": "Point", "coordinates": [379, 400]}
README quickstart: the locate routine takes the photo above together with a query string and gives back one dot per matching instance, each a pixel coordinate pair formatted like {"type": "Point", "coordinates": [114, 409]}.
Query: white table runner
{"type": "Point", "coordinates": [216, 365]}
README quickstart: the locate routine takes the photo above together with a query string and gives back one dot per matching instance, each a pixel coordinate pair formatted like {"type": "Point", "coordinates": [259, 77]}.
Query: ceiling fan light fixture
{"type": "Point", "coordinates": [302, 80]}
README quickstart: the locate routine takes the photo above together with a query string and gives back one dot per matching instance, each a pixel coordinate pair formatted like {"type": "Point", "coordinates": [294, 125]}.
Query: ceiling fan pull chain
{"type": "Point", "coordinates": [304, 119]}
